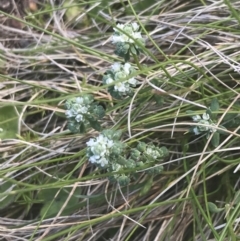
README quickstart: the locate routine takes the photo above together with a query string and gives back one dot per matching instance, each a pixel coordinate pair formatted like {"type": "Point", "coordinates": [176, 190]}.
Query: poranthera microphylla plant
{"type": "Point", "coordinates": [83, 112]}
{"type": "Point", "coordinates": [107, 151]}
{"type": "Point", "coordinates": [206, 124]}
{"type": "Point", "coordinates": [120, 76]}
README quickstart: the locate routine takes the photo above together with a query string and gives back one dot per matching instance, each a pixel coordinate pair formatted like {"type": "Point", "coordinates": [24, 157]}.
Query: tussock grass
{"type": "Point", "coordinates": [192, 51]}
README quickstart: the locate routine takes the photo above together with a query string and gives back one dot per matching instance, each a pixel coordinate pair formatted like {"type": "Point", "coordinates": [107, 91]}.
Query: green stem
{"type": "Point", "coordinates": [230, 228]}
{"type": "Point", "coordinates": [137, 61]}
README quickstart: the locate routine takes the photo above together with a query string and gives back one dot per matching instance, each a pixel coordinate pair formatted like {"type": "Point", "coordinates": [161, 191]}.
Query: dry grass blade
{"type": "Point", "coordinates": [53, 50]}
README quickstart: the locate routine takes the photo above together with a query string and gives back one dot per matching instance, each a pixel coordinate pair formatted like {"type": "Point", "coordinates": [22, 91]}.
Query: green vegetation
{"type": "Point", "coordinates": [132, 137]}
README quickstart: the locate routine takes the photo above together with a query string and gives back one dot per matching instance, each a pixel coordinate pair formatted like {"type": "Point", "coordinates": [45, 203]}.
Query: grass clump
{"type": "Point", "coordinates": [119, 120]}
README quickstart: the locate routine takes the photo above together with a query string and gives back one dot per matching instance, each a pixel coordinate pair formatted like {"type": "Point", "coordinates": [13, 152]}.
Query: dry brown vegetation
{"type": "Point", "coordinates": [48, 54]}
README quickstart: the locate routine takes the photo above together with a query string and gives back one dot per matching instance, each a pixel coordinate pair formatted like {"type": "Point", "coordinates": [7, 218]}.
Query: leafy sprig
{"type": "Point", "coordinates": [83, 112]}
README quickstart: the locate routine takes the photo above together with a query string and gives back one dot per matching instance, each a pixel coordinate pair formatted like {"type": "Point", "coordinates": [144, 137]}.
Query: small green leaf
{"type": "Point", "coordinates": [222, 131]}
{"type": "Point", "coordinates": [147, 186]}
{"type": "Point", "coordinates": [122, 161]}
{"type": "Point", "coordinates": [123, 180]}
{"type": "Point", "coordinates": [114, 94]}
{"type": "Point", "coordinates": [99, 111]}
{"type": "Point", "coordinates": [215, 139]}
{"type": "Point", "coordinates": [6, 198]}
{"type": "Point", "coordinates": [190, 112]}
{"type": "Point", "coordinates": [95, 125]}
{"type": "Point", "coordinates": [8, 122]}
{"type": "Point", "coordinates": [131, 164]}
{"type": "Point", "coordinates": [72, 12]}
{"type": "Point", "coordinates": [155, 170]}
{"type": "Point", "coordinates": [236, 199]}
{"type": "Point", "coordinates": [159, 99]}
{"type": "Point", "coordinates": [229, 116]}
{"type": "Point", "coordinates": [185, 144]}
{"type": "Point", "coordinates": [117, 135]}
{"type": "Point", "coordinates": [60, 114]}
{"type": "Point", "coordinates": [213, 208]}
{"type": "Point", "coordinates": [133, 50]}
{"type": "Point", "coordinates": [141, 146]}
{"type": "Point", "coordinates": [164, 151]}
{"type": "Point", "coordinates": [3, 67]}
{"type": "Point", "coordinates": [209, 112]}
{"type": "Point", "coordinates": [126, 57]}
{"type": "Point", "coordinates": [82, 128]}
{"type": "Point", "coordinates": [51, 208]}
{"type": "Point", "coordinates": [52, 205]}
{"type": "Point", "coordinates": [140, 6]}
{"type": "Point", "coordinates": [214, 105]}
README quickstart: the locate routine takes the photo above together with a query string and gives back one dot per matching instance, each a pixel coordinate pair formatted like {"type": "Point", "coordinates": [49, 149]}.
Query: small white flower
{"type": "Point", "coordinates": [116, 167]}
{"type": "Point", "coordinates": [205, 126]}
{"type": "Point", "coordinates": [109, 81]}
{"type": "Point", "coordinates": [133, 81]}
{"type": "Point", "coordinates": [103, 162]}
{"type": "Point", "coordinates": [125, 38]}
{"type": "Point", "coordinates": [135, 26]}
{"type": "Point", "coordinates": [120, 75]}
{"type": "Point", "coordinates": [83, 109]}
{"type": "Point", "coordinates": [137, 35]}
{"type": "Point", "coordinates": [213, 129]}
{"type": "Point", "coordinates": [69, 113]}
{"type": "Point", "coordinates": [76, 109]}
{"type": "Point", "coordinates": [153, 153]}
{"type": "Point", "coordinates": [129, 40]}
{"type": "Point", "coordinates": [121, 72]}
{"type": "Point", "coordinates": [126, 68]}
{"type": "Point", "coordinates": [79, 118]}
{"type": "Point", "coordinates": [79, 100]}
{"type": "Point", "coordinates": [196, 118]}
{"type": "Point", "coordinates": [101, 139]}
{"type": "Point", "coordinates": [121, 87]}
{"type": "Point", "coordinates": [100, 149]}
{"type": "Point", "coordinates": [120, 26]}
{"type": "Point", "coordinates": [116, 39]}
{"type": "Point", "coordinates": [196, 131]}
{"type": "Point", "coordinates": [130, 29]}
{"type": "Point", "coordinates": [110, 143]}
{"type": "Point", "coordinates": [93, 159]}
{"type": "Point", "coordinates": [116, 67]}
{"type": "Point", "coordinates": [205, 116]}
{"type": "Point", "coordinates": [90, 142]}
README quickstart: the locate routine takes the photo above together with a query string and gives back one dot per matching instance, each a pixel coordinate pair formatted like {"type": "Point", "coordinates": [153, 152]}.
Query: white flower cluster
{"type": "Point", "coordinates": [77, 110]}
{"type": "Point", "coordinates": [153, 153]}
{"type": "Point", "coordinates": [130, 29]}
{"type": "Point", "coordinates": [205, 120]}
{"type": "Point", "coordinates": [99, 149]}
{"type": "Point", "coordinates": [122, 72]}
